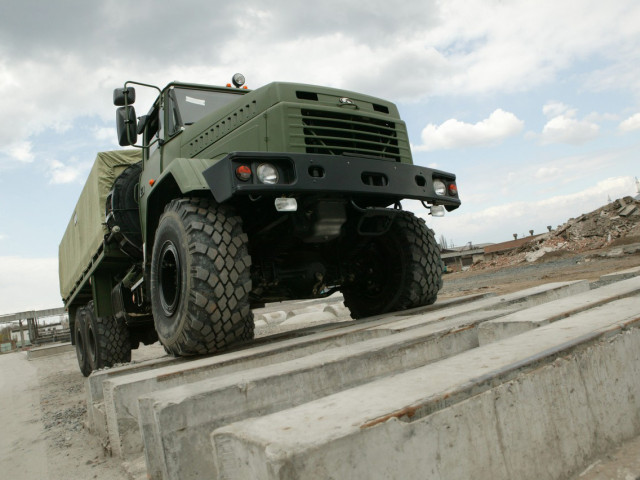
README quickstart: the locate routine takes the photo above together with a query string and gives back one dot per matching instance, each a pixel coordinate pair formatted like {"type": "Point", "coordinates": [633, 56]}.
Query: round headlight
{"type": "Point", "coordinates": [439, 187]}
{"type": "Point", "coordinates": [267, 173]}
{"type": "Point", "coordinates": [238, 80]}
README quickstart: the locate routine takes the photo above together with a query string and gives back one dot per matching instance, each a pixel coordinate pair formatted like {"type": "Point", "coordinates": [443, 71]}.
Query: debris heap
{"type": "Point", "coordinates": [602, 227]}
{"type": "Point", "coordinates": [614, 224]}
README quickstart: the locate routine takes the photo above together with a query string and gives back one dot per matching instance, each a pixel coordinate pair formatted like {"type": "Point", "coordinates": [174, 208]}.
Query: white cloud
{"type": "Point", "coordinates": [564, 127]}
{"type": "Point", "coordinates": [544, 173]}
{"type": "Point", "coordinates": [567, 129]}
{"type": "Point", "coordinates": [19, 151]}
{"type": "Point", "coordinates": [401, 51]}
{"type": "Point", "coordinates": [28, 283]}
{"type": "Point", "coordinates": [456, 134]}
{"type": "Point", "coordinates": [106, 134]}
{"type": "Point", "coordinates": [516, 45]}
{"type": "Point", "coordinates": [60, 173]}
{"type": "Point", "coordinates": [630, 124]}
{"type": "Point", "coordinates": [554, 109]}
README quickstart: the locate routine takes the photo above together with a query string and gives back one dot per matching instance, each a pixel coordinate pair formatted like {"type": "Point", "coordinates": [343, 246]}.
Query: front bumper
{"type": "Point", "coordinates": [299, 174]}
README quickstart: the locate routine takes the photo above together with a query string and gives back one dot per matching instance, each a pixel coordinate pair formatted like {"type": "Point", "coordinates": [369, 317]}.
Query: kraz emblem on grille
{"type": "Point", "coordinates": [346, 101]}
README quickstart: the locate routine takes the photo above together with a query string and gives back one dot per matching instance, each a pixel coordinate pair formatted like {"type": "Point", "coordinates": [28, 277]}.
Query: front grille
{"type": "Point", "coordinates": [336, 133]}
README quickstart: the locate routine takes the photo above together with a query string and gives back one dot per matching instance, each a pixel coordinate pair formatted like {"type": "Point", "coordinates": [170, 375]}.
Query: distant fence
{"type": "Point", "coordinates": [38, 334]}
{"type": "Point", "coordinates": [49, 312]}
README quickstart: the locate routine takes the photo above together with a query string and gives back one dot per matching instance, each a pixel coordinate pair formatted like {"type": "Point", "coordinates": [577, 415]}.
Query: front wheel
{"type": "Point", "coordinates": [200, 278]}
{"type": "Point", "coordinates": [398, 270]}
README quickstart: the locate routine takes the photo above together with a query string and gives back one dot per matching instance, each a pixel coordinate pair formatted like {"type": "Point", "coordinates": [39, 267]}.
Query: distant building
{"type": "Point", "coordinates": [458, 258]}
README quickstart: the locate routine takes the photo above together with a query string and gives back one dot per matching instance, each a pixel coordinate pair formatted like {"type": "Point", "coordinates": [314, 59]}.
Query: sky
{"type": "Point", "coordinates": [535, 106]}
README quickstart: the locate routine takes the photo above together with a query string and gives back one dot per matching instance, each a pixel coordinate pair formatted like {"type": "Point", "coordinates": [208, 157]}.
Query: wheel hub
{"type": "Point", "coordinates": [170, 278]}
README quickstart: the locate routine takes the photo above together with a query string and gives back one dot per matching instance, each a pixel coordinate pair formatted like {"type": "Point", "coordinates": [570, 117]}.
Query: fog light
{"type": "Point", "coordinates": [439, 187]}
{"type": "Point", "coordinates": [267, 173]}
{"type": "Point", "coordinates": [286, 204]}
{"type": "Point", "coordinates": [437, 211]}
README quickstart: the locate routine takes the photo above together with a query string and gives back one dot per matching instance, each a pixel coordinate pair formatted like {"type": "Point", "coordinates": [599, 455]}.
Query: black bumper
{"type": "Point", "coordinates": [330, 174]}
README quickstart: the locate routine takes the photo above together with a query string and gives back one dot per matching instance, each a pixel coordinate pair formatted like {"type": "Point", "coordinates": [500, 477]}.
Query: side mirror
{"type": "Point", "coordinates": [142, 123]}
{"type": "Point", "coordinates": [126, 125]}
{"type": "Point", "coordinates": [124, 96]}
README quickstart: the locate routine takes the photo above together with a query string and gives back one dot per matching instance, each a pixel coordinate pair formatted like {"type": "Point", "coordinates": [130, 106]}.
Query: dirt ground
{"type": "Point", "coordinates": [556, 267]}
{"type": "Point", "coordinates": [43, 410]}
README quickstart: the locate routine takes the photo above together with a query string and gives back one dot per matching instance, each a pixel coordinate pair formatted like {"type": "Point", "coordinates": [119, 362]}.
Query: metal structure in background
{"type": "Point", "coordinates": [37, 336]}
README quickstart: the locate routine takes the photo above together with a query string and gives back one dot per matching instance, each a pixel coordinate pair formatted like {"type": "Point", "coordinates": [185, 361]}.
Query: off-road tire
{"type": "Point", "coordinates": [108, 341]}
{"type": "Point", "coordinates": [80, 340]}
{"type": "Point", "coordinates": [200, 278]}
{"type": "Point", "coordinates": [398, 270]}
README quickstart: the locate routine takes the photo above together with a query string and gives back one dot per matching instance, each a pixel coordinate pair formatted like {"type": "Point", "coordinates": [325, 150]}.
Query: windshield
{"type": "Point", "coordinates": [195, 104]}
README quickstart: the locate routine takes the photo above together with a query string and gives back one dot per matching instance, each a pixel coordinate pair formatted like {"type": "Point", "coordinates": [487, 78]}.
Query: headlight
{"type": "Point", "coordinates": [238, 80]}
{"type": "Point", "coordinates": [267, 173]}
{"type": "Point", "coordinates": [439, 187]}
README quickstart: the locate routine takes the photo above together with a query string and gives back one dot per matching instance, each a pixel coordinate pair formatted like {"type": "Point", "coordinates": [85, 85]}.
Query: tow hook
{"type": "Point", "coordinates": [375, 220]}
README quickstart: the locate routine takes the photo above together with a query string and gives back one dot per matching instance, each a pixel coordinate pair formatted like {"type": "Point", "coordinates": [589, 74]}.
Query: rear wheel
{"type": "Point", "coordinates": [200, 278]}
{"type": "Point", "coordinates": [80, 338]}
{"type": "Point", "coordinates": [398, 270]}
{"type": "Point", "coordinates": [108, 341]}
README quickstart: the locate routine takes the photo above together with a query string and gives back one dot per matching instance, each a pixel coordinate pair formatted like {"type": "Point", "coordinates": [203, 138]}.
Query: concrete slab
{"type": "Point", "coordinates": [121, 393]}
{"type": "Point", "coordinates": [117, 418]}
{"type": "Point", "coordinates": [125, 386]}
{"type": "Point", "coordinates": [47, 351]}
{"type": "Point", "coordinates": [94, 388]}
{"type": "Point", "coordinates": [532, 406]}
{"type": "Point", "coordinates": [525, 320]}
{"type": "Point", "coordinates": [338, 309]}
{"type": "Point", "coordinates": [621, 275]}
{"type": "Point", "coordinates": [287, 306]}
{"type": "Point", "coordinates": [274, 318]}
{"type": "Point", "coordinates": [268, 314]}
{"type": "Point", "coordinates": [305, 318]}
{"type": "Point", "coordinates": [528, 298]}
{"type": "Point", "coordinates": [174, 449]}
{"type": "Point", "coordinates": [176, 423]}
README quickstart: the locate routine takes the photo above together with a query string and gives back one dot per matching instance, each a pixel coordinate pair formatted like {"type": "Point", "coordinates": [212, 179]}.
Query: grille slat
{"type": "Point", "coordinates": [336, 133]}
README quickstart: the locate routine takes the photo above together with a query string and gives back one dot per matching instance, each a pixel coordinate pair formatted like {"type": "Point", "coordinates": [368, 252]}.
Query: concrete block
{"type": "Point", "coordinates": [523, 299]}
{"type": "Point", "coordinates": [528, 407]}
{"type": "Point", "coordinates": [338, 309]}
{"type": "Point", "coordinates": [315, 308]}
{"type": "Point", "coordinates": [621, 275]}
{"type": "Point", "coordinates": [259, 323]}
{"type": "Point", "coordinates": [121, 407]}
{"type": "Point", "coordinates": [525, 320]}
{"type": "Point", "coordinates": [121, 392]}
{"type": "Point", "coordinates": [94, 386]}
{"type": "Point", "coordinates": [309, 318]}
{"type": "Point", "coordinates": [275, 318]}
{"type": "Point", "coordinates": [176, 423]}
{"type": "Point", "coordinates": [287, 306]}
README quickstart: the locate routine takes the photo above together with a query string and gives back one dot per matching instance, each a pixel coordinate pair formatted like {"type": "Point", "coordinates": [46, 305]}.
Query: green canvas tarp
{"type": "Point", "coordinates": [86, 230]}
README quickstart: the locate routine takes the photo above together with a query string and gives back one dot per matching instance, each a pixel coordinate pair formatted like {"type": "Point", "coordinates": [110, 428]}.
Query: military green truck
{"type": "Point", "coordinates": [234, 198]}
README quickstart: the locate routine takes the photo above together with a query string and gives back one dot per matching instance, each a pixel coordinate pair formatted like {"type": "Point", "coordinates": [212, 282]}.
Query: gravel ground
{"type": "Point", "coordinates": [44, 414]}
{"type": "Point", "coordinates": [551, 268]}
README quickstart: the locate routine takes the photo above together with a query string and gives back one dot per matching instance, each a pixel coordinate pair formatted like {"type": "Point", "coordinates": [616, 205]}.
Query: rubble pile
{"type": "Point", "coordinates": [614, 224]}
{"type": "Point", "coordinates": [602, 226]}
